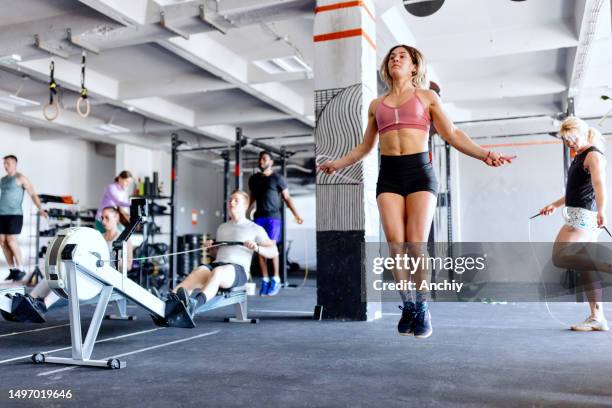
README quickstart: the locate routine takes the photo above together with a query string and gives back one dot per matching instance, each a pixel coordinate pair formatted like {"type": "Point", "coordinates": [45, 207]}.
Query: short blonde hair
{"type": "Point", "coordinates": [576, 126]}
{"type": "Point", "coordinates": [241, 194]}
{"type": "Point", "coordinates": [419, 79]}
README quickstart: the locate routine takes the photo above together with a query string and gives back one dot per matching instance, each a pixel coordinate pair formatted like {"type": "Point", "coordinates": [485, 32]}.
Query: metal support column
{"type": "Point", "coordinates": [283, 244]}
{"type": "Point", "coordinates": [173, 179]}
{"type": "Point", "coordinates": [237, 166]}
{"type": "Point", "coordinates": [226, 181]}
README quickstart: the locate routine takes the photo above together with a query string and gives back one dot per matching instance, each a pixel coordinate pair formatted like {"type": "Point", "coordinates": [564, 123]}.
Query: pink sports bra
{"type": "Point", "coordinates": [409, 115]}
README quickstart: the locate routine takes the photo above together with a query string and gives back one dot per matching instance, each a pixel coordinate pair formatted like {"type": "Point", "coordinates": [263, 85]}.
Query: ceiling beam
{"type": "Point", "coordinates": [589, 15]}
{"type": "Point", "coordinates": [177, 85]}
{"type": "Point", "coordinates": [501, 108]}
{"type": "Point", "coordinates": [507, 86]}
{"type": "Point", "coordinates": [222, 133]}
{"type": "Point", "coordinates": [69, 127]}
{"type": "Point", "coordinates": [53, 31]}
{"type": "Point", "coordinates": [578, 60]}
{"type": "Point", "coordinates": [246, 12]}
{"type": "Point", "coordinates": [132, 12]}
{"type": "Point", "coordinates": [498, 42]}
{"type": "Point", "coordinates": [207, 53]}
{"type": "Point", "coordinates": [243, 6]}
{"type": "Point", "coordinates": [164, 110]}
{"type": "Point", "coordinates": [252, 114]}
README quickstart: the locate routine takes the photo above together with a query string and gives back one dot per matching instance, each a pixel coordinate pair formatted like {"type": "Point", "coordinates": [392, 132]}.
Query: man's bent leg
{"type": "Point", "coordinates": [197, 279]}
{"type": "Point", "coordinates": [221, 277]}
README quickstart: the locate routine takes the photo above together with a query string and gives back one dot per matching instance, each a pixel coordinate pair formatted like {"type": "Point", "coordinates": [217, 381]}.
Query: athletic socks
{"type": "Point", "coordinates": [422, 296]}
{"type": "Point", "coordinates": [276, 278]}
{"type": "Point", "coordinates": [422, 321]}
{"type": "Point", "coordinates": [201, 298]}
{"type": "Point", "coordinates": [406, 296]}
{"type": "Point", "coordinates": [266, 279]}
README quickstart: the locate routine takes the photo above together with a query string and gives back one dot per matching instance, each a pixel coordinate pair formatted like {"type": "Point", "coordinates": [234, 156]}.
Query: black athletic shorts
{"type": "Point", "coordinates": [407, 174]}
{"type": "Point", "coordinates": [11, 224]}
{"type": "Point", "coordinates": [240, 276]}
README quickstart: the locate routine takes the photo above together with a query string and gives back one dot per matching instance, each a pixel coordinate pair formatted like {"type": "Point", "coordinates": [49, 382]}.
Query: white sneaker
{"type": "Point", "coordinates": [591, 324]}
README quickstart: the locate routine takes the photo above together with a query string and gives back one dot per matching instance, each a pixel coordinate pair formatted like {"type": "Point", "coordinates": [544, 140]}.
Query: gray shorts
{"type": "Point", "coordinates": [240, 274]}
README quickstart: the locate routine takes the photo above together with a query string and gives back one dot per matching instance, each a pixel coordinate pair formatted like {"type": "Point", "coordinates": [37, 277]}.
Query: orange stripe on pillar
{"type": "Point", "coordinates": [346, 4]}
{"type": "Point", "coordinates": [356, 32]}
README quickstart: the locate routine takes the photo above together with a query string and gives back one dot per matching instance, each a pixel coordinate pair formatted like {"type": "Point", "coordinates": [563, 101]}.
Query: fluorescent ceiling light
{"type": "Point", "coordinates": [18, 101]}
{"type": "Point", "coordinates": [283, 65]}
{"type": "Point", "coordinates": [110, 128]}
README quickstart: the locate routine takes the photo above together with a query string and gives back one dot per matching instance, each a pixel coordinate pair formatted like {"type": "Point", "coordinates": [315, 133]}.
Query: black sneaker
{"type": "Point", "coordinates": [27, 309]}
{"type": "Point", "coordinates": [422, 321]}
{"type": "Point", "coordinates": [183, 295]}
{"type": "Point", "coordinates": [19, 275]}
{"type": "Point", "coordinates": [15, 275]}
{"type": "Point", "coordinates": [405, 327]}
{"type": "Point", "coordinates": [188, 301]}
{"type": "Point", "coordinates": [39, 303]}
{"type": "Point", "coordinates": [11, 275]}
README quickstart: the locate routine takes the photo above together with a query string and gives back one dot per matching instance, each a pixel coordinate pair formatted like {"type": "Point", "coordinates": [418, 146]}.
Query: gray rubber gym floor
{"type": "Point", "coordinates": [479, 355]}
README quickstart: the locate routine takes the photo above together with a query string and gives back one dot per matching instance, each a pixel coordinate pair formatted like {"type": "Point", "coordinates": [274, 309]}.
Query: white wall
{"type": "Point", "coordinates": [59, 167]}
{"type": "Point", "coordinates": [199, 189]}
{"type": "Point", "coordinates": [494, 204]}
{"type": "Point", "coordinates": [142, 162]}
{"type": "Point", "coordinates": [304, 237]}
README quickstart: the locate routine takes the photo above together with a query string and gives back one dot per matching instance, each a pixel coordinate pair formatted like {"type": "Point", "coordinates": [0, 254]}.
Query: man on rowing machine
{"type": "Point", "coordinates": [232, 264]}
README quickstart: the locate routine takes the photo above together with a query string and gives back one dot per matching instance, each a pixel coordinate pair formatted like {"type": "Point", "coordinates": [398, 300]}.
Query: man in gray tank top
{"type": "Point", "coordinates": [12, 187]}
{"type": "Point", "coordinates": [232, 263]}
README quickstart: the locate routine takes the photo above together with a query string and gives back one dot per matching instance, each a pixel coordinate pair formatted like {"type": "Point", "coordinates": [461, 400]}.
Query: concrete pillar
{"type": "Point", "coordinates": [347, 215]}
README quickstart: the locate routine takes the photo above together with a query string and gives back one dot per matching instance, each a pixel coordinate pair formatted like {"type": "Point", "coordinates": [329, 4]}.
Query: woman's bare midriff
{"type": "Point", "coordinates": [403, 142]}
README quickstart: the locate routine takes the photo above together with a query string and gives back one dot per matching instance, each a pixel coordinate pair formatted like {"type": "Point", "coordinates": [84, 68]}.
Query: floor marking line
{"type": "Point", "coordinates": [69, 347]}
{"type": "Point", "coordinates": [33, 330]}
{"type": "Point", "coordinates": [142, 350]}
{"type": "Point", "coordinates": [281, 311]}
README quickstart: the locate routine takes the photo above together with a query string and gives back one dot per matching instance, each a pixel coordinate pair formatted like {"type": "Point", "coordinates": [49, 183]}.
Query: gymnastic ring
{"type": "Point", "coordinates": [87, 107]}
{"type": "Point", "coordinates": [47, 113]}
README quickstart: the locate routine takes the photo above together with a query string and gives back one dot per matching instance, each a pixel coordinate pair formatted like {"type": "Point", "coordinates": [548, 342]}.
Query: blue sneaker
{"type": "Point", "coordinates": [274, 287]}
{"type": "Point", "coordinates": [265, 288]}
{"type": "Point", "coordinates": [422, 321]}
{"type": "Point", "coordinates": [405, 327]}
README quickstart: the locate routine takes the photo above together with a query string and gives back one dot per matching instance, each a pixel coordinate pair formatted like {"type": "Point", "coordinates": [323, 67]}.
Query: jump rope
{"type": "Point", "coordinates": [529, 221]}
{"type": "Point", "coordinates": [539, 265]}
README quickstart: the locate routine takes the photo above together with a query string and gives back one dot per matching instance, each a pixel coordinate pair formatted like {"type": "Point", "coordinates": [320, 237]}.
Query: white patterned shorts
{"type": "Point", "coordinates": [580, 218]}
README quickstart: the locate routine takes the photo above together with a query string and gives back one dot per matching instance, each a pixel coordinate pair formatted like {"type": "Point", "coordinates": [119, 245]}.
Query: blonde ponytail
{"type": "Point", "coordinates": [595, 138]}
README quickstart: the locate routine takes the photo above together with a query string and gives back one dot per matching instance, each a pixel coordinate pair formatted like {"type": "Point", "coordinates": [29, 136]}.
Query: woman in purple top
{"type": "Point", "coordinates": [115, 195]}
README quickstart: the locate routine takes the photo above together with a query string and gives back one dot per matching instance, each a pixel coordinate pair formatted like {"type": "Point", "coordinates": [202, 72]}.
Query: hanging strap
{"type": "Point", "coordinates": [51, 110]}
{"type": "Point", "coordinates": [83, 112]}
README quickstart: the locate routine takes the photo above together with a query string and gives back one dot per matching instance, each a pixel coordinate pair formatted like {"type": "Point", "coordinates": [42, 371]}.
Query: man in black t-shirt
{"type": "Point", "coordinates": [267, 189]}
